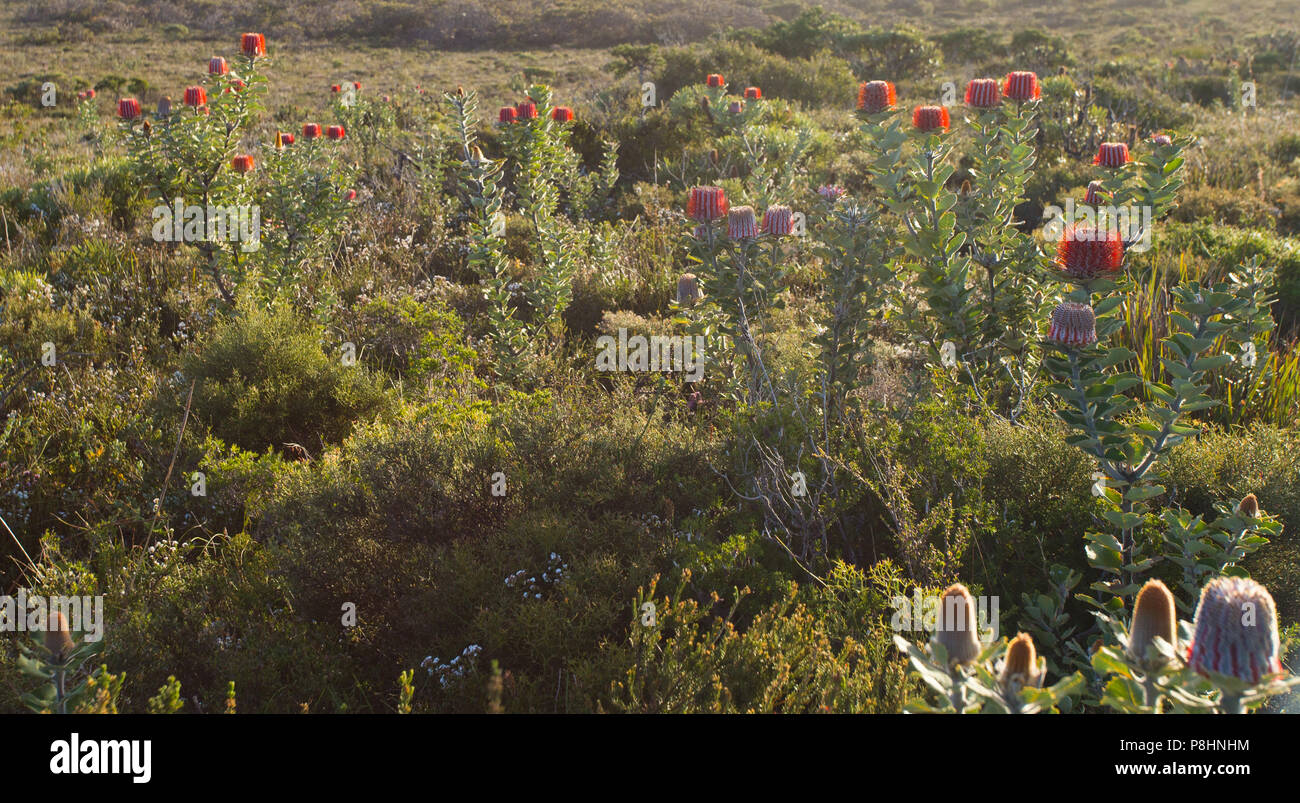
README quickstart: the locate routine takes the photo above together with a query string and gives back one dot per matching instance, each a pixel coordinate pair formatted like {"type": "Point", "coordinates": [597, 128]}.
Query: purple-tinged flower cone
{"type": "Point", "coordinates": [1236, 631]}
{"type": "Point", "coordinates": [1073, 325]}
{"type": "Point", "coordinates": [742, 223]}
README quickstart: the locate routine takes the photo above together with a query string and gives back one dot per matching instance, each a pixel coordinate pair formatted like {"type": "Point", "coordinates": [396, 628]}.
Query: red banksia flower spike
{"type": "Point", "coordinates": [243, 163]}
{"type": "Point", "coordinates": [707, 204]}
{"type": "Point", "coordinates": [983, 93]}
{"type": "Point", "coordinates": [931, 118]}
{"type": "Point", "coordinates": [562, 114]}
{"type": "Point", "coordinates": [1112, 154]}
{"type": "Point", "coordinates": [1022, 86]}
{"type": "Point", "coordinates": [1073, 325]}
{"type": "Point", "coordinates": [1154, 614]}
{"type": "Point", "coordinates": [356, 84]}
{"type": "Point", "coordinates": [310, 130]}
{"type": "Point", "coordinates": [957, 627]}
{"type": "Point", "coordinates": [253, 45]}
{"type": "Point", "coordinates": [335, 132]}
{"type": "Point", "coordinates": [715, 80]}
{"type": "Point", "coordinates": [753, 93]}
{"type": "Point", "coordinates": [350, 195]}
{"type": "Point", "coordinates": [527, 110]}
{"type": "Point", "coordinates": [336, 89]}
{"type": "Point", "coordinates": [1094, 197]}
{"type": "Point", "coordinates": [876, 96]}
{"type": "Point", "coordinates": [218, 66]}
{"type": "Point", "coordinates": [128, 108]}
{"type": "Point", "coordinates": [741, 223]}
{"type": "Point", "coordinates": [1021, 668]}
{"type": "Point", "coordinates": [508, 114]}
{"type": "Point", "coordinates": [195, 96]}
{"type": "Point", "coordinates": [1086, 252]}
{"type": "Point", "coordinates": [778, 221]}
{"type": "Point", "coordinates": [1235, 632]}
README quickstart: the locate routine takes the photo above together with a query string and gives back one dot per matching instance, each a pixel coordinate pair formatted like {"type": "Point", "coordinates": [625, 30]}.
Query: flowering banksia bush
{"type": "Point", "coordinates": [930, 118]}
{"type": "Point", "coordinates": [195, 96]}
{"type": "Point", "coordinates": [1073, 325]}
{"type": "Point", "coordinates": [128, 108]}
{"type": "Point", "coordinates": [1086, 252]}
{"type": "Point", "coordinates": [741, 223]}
{"type": "Point", "coordinates": [1235, 633]}
{"type": "Point", "coordinates": [715, 80]}
{"type": "Point", "coordinates": [1022, 86]}
{"type": "Point", "coordinates": [983, 93]}
{"type": "Point", "coordinates": [778, 220]}
{"type": "Point", "coordinates": [253, 45]}
{"type": "Point", "coordinates": [958, 627]}
{"type": "Point", "coordinates": [1112, 154]}
{"type": "Point", "coordinates": [876, 96]}
{"type": "Point", "coordinates": [218, 66]}
{"type": "Point", "coordinates": [1154, 614]}
{"type": "Point", "coordinates": [310, 131]}
{"type": "Point", "coordinates": [706, 204]}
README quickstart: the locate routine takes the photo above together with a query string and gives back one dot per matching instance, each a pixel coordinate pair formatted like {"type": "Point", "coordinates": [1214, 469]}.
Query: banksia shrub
{"type": "Point", "coordinates": [1236, 631]}
{"type": "Point", "coordinates": [526, 110]}
{"type": "Point", "coordinates": [310, 131]}
{"type": "Point", "coordinates": [1249, 506]}
{"type": "Point", "coordinates": [1073, 325]}
{"type": "Point", "coordinates": [958, 626]}
{"type": "Point", "coordinates": [1112, 154]}
{"type": "Point", "coordinates": [1154, 615]}
{"type": "Point", "coordinates": [707, 203]}
{"type": "Point", "coordinates": [195, 96]}
{"type": "Point", "coordinates": [930, 118]}
{"type": "Point", "coordinates": [253, 45]}
{"type": "Point", "coordinates": [753, 93]}
{"type": "Point", "coordinates": [983, 93]}
{"type": "Point", "coordinates": [243, 163]}
{"type": "Point", "coordinates": [1022, 85]}
{"type": "Point", "coordinates": [778, 220]}
{"type": "Point", "coordinates": [57, 638]}
{"type": "Point", "coordinates": [1022, 667]}
{"type": "Point", "coordinates": [334, 132]}
{"type": "Point", "coordinates": [876, 96]}
{"type": "Point", "coordinates": [741, 223]}
{"type": "Point", "coordinates": [218, 66]}
{"type": "Point", "coordinates": [507, 115]}
{"type": "Point", "coordinates": [715, 80]}
{"type": "Point", "coordinates": [128, 108]}
{"type": "Point", "coordinates": [1086, 252]}
{"type": "Point", "coordinates": [688, 289]}
{"type": "Point", "coordinates": [1093, 196]}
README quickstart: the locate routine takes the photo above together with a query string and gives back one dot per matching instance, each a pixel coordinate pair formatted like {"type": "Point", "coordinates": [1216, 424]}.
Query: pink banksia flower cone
{"type": "Point", "coordinates": [1073, 325]}
{"type": "Point", "coordinates": [688, 289]}
{"type": "Point", "coordinates": [931, 118]}
{"type": "Point", "coordinates": [742, 223]}
{"type": "Point", "coordinates": [876, 96]}
{"type": "Point", "coordinates": [57, 638]}
{"type": "Point", "coordinates": [958, 626]}
{"type": "Point", "coordinates": [128, 108]}
{"type": "Point", "coordinates": [1163, 140]}
{"type": "Point", "coordinates": [1112, 154]}
{"type": "Point", "coordinates": [1022, 668]}
{"type": "Point", "coordinates": [983, 93]}
{"type": "Point", "coordinates": [253, 45]}
{"type": "Point", "coordinates": [706, 204]}
{"type": "Point", "coordinates": [778, 220]}
{"type": "Point", "coordinates": [195, 96]}
{"type": "Point", "coordinates": [1086, 252]}
{"type": "Point", "coordinates": [1022, 85]}
{"type": "Point", "coordinates": [1235, 633]}
{"type": "Point", "coordinates": [218, 66]}
{"type": "Point", "coordinates": [1154, 615]}
{"type": "Point", "coordinates": [1093, 196]}
{"type": "Point", "coordinates": [753, 93]}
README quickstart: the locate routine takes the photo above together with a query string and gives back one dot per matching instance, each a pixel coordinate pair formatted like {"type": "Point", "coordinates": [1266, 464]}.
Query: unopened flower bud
{"type": "Point", "coordinates": [1154, 615]}
{"type": "Point", "coordinates": [957, 630]}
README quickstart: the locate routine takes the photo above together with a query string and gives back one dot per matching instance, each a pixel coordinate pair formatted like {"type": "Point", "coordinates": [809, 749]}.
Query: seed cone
{"type": "Point", "coordinates": [1021, 668]}
{"type": "Point", "coordinates": [957, 625]}
{"type": "Point", "coordinates": [1236, 630]}
{"type": "Point", "coordinates": [57, 638]}
{"type": "Point", "coordinates": [1154, 615]}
